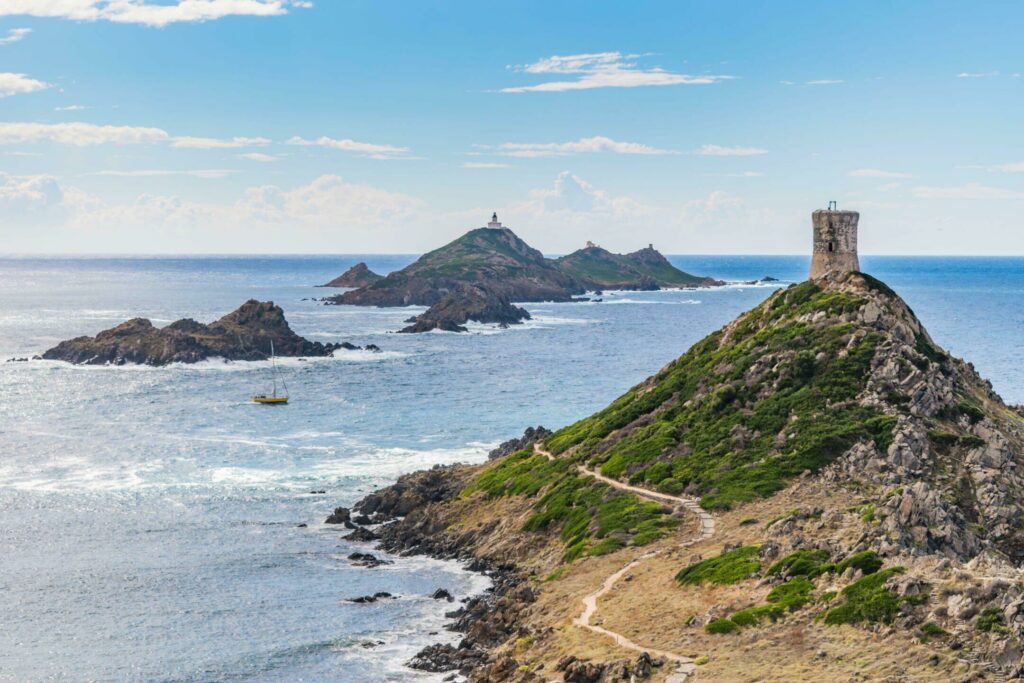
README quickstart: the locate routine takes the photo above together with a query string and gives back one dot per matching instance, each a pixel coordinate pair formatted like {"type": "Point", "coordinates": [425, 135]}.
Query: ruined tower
{"type": "Point", "coordinates": [835, 241]}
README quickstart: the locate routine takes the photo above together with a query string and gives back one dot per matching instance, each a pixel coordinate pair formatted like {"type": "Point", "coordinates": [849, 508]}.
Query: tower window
{"type": "Point", "coordinates": [830, 247]}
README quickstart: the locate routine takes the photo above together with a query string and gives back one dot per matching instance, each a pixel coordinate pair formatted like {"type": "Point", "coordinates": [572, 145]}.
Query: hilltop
{"type": "Point", "coordinates": [478, 276]}
{"type": "Point", "coordinates": [244, 334]}
{"type": "Point", "coordinates": [815, 491]}
{"type": "Point", "coordinates": [358, 275]}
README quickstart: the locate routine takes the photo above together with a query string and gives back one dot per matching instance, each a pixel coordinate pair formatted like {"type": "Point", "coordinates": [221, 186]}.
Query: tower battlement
{"type": "Point", "coordinates": [835, 242]}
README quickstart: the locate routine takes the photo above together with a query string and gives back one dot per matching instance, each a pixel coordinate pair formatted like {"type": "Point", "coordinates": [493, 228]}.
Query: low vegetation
{"type": "Point", "coordinates": [730, 567]}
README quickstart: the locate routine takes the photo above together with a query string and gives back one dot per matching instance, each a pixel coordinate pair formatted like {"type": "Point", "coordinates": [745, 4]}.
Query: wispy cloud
{"type": "Point", "coordinates": [603, 70]}
{"type": "Point", "coordinates": [741, 174]}
{"type": "Point", "coordinates": [598, 143]}
{"type": "Point", "coordinates": [1010, 167]}
{"type": "Point", "coordinates": [17, 84]}
{"type": "Point", "coordinates": [484, 164]}
{"type": "Point", "coordinates": [877, 173]}
{"type": "Point", "coordinates": [201, 173]}
{"type": "Point", "coordinates": [259, 156]}
{"type": "Point", "coordinates": [14, 35]}
{"type": "Point", "coordinates": [368, 149]}
{"type": "Point", "coordinates": [967, 191]}
{"type": "Point", "coordinates": [189, 142]}
{"type": "Point", "coordinates": [975, 74]}
{"type": "Point", "coordinates": [721, 151]}
{"type": "Point", "coordinates": [72, 107]}
{"type": "Point", "coordinates": [79, 134]}
{"type": "Point", "coordinates": [148, 13]}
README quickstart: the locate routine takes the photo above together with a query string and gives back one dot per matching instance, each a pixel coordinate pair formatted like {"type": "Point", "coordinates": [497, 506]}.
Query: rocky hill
{"type": "Point", "coordinates": [646, 269]}
{"type": "Point", "coordinates": [358, 275]}
{"type": "Point", "coordinates": [478, 275]}
{"type": "Point", "coordinates": [816, 491]}
{"type": "Point", "coordinates": [243, 334]}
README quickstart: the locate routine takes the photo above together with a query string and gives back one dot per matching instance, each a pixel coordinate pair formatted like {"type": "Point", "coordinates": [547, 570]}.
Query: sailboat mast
{"type": "Point", "coordinates": [273, 367]}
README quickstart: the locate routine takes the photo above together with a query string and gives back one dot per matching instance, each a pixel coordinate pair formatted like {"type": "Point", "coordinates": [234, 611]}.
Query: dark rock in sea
{"type": "Point", "coordinates": [17, 360]}
{"type": "Point", "coordinates": [372, 347]}
{"type": "Point", "coordinates": [339, 516]}
{"type": "Point", "coordinates": [318, 492]}
{"type": "Point", "coordinates": [367, 560]}
{"type": "Point", "coordinates": [364, 599]}
{"type": "Point", "coordinates": [362, 535]}
{"type": "Point", "coordinates": [465, 303]}
{"type": "Point", "coordinates": [244, 334]}
{"type": "Point", "coordinates": [529, 437]}
{"type": "Point", "coordinates": [370, 644]}
{"type": "Point", "coordinates": [442, 594]}
{"type": "Point", "coordinates": [358, 275]}
{"type": "Point", "coordinates": [439, 658]}
{"type": "Point", "coordinates": [303, 525]}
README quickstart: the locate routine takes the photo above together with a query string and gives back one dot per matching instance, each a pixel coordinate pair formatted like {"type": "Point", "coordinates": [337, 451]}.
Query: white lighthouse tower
{"type": "Point", "coordinates": [494, 221]}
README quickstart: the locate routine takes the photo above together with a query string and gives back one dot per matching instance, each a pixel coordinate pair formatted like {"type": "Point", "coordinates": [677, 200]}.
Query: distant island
{"type": "Point", "coordinates": [358, 275]}
{"type": "Point", "coordinates": [243, 334]}
{"type": "Point", "coordinates": [479, 275]}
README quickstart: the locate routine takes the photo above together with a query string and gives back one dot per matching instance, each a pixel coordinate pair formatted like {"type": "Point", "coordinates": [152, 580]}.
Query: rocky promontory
{"type": "Point", "coordinates": [357, 276]}
{"type": "Point", "coordinates": [817, 491]}
{"type": "Point", "coordinates": [479, 275]}
{"type": "Point", "coordinates": [244, 334]}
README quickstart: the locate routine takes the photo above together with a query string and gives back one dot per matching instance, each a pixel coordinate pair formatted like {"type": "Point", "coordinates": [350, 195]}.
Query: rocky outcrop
{"type": "Point", "coordinates": [466, 303]}
{"type": "Point", "coordinates": [243, 334]}
{"type": "Point", "coordinates": [357, 276]}
{"type": "Point", "coordinates": [479, 276]}
{"type": "Point", "coordinates": [531, 436]}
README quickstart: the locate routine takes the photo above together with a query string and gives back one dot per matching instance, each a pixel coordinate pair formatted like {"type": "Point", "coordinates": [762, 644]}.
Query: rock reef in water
{"type": "Point", "coordinates": [478, 277]}
{"type": "Point", "coordinates": [243, 334]}
{"type": "Point", "coordinates": [358, 275]}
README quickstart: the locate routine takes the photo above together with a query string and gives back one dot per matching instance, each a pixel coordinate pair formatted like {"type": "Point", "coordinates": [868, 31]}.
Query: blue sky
{"type": "Point", "coordinates": [333, 126]}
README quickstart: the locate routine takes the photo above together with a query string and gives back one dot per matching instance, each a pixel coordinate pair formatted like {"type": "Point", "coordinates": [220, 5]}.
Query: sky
{"type": "Point", "coordinates": [374, 126]}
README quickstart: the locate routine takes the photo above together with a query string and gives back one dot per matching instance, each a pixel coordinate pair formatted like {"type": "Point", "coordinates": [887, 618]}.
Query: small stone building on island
{"type": "Point", "coordinates": [835, 242]}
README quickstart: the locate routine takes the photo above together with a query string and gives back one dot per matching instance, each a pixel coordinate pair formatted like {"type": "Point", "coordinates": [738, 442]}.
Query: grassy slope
{"type": "Point", "coordinates": [600, 267]}
{"type": "Point", "coordinates": [709, 423]}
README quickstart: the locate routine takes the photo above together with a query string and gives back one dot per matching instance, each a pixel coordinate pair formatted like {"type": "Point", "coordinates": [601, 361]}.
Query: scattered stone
{"type": "Point", "coordinates": [367, 560]}
{"type": "Point", "coordinates": [364, 599]}
{"type": "Point", "coordinates": [442, 594]}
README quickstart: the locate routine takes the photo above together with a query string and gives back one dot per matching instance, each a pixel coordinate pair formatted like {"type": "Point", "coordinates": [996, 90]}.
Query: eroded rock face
{"type": "Point", "coordinates": [244, 334]}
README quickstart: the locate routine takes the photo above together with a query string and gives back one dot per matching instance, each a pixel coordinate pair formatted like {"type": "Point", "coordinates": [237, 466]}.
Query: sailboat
{"type": "Point", "coordinates": [273, 398]}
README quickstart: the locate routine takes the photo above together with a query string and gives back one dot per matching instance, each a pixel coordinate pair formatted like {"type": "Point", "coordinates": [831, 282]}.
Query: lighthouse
{"type": "Point", "coordinates": [835, 241]}
{"type": "Point", "coordinates": [494, 221]}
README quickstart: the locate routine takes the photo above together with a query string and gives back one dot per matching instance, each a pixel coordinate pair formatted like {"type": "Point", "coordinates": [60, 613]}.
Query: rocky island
{"type": "Point", "coordinates": [243, 334]}
{"type": "Point", "coordinates": [816, 491]}
{"type": "Point", "coordinates": [479, 275]}
{"type": "Point", "coordinates": [358, 275]}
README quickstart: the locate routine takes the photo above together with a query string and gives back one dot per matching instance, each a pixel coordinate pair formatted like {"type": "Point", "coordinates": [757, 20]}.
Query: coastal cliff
{"type": "Point", "coordinates": [478, 276]}
{"type": "Point", "coordinates": [815, 491]}
{"type": "Point", "coordinates": [244, 334]}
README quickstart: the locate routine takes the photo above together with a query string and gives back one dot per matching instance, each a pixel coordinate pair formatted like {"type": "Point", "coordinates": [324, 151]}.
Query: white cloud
{"type": "Point", "coordinates": [371, 150]}
{"type": "Point", "coordinates": [259, 156]}
{"type": "Point", "coordinates": [202, 173]}
{"type": "Point", "coordinates": [582, 146]}
{"type": "Point", "coordinates": [484, 164]}
{"type": "Point", "coordinates": [970, 74]}
{"type": "Point", "coordinates": [147, 13]}
{"type": "Point", "coordinates": [1011, 167]}
{"type": "Point", "coordinates": [604, 70]}
{"type": "Point", "coordinates": [71, 107]}
{"type": "Point", "coordinates": [78, 134]}
{"type": "Point", "coordinates": [17, 84]}
{"type": "Point", "coordinates": [825, 81]}
{"type": "Point", "coordinates": [720, 151]}
{"type": "Point", "coordinates": [26, 196]}
{"type": "Point", "coordinates": [189, 142]}
{"type": "Point", "coordinates": [14, 35]}
{"type": "Point", "coordinates": [877, 173]}
{"type": "Point", "coordinates": [967, 191]}
{"type": "Point", "coordinates": [741, 174]}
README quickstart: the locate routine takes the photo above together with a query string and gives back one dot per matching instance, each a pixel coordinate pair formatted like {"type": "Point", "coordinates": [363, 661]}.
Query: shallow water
{"type": "Point", "coordinates": [150, 514]}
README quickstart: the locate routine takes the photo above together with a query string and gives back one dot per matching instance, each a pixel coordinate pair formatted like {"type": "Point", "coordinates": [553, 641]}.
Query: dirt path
{"type": "Point", "coordinates": [684, 665]}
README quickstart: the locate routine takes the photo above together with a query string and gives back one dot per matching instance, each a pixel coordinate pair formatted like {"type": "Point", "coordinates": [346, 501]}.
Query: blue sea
{"type": "Point", "coordinates": [150, 516]}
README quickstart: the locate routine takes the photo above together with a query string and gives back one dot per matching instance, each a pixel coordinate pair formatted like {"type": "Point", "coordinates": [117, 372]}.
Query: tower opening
{"type": "Point", "coordinates": [831, 247]}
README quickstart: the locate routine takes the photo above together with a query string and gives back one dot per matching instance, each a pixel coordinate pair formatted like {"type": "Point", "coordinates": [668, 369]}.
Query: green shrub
{"type": "Point", "coordinates": [867, 600]}
{"type": "Point", "coordinates": [809, 563]}
{"type": "Point", "coordinates": [721, 626]}
{"type": "Point", "coordinates": [991, 621]}
{"type": "Point", "coordinates": [729, 567]}
{"type": "Point", "coordinates": [867, 561]}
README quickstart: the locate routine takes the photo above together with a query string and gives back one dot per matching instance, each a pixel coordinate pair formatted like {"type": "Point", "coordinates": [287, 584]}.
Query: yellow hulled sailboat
{"type": "Point", "coordinates": [273, 398]}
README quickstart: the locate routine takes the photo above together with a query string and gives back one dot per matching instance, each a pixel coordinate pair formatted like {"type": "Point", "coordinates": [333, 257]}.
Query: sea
{"type": "Point", "coordinates": [157, 526]}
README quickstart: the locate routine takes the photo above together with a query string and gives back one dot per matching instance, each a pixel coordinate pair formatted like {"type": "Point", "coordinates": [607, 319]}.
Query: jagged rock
{"type": "Point", "coordinates": [244, 334]}
{"type": "Point", "coordinates": [529, 437]}
{"type": "Point", "coordinates": [442, 594]}
{"type": "Point", "coordinates": [466, 302]}
{"type": "Point", "coordinates": [367, 560]}
{"type": "Point", "coordinates": [340, 515]}
{"type": "Point", "coordinates": [362, 535]}
{"type": "Point", "coordinates": [364, 599]}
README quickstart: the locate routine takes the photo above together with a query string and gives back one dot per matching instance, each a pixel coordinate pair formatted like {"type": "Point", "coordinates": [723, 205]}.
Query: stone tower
{"type": "Point", "coordinates": [835, 242]}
